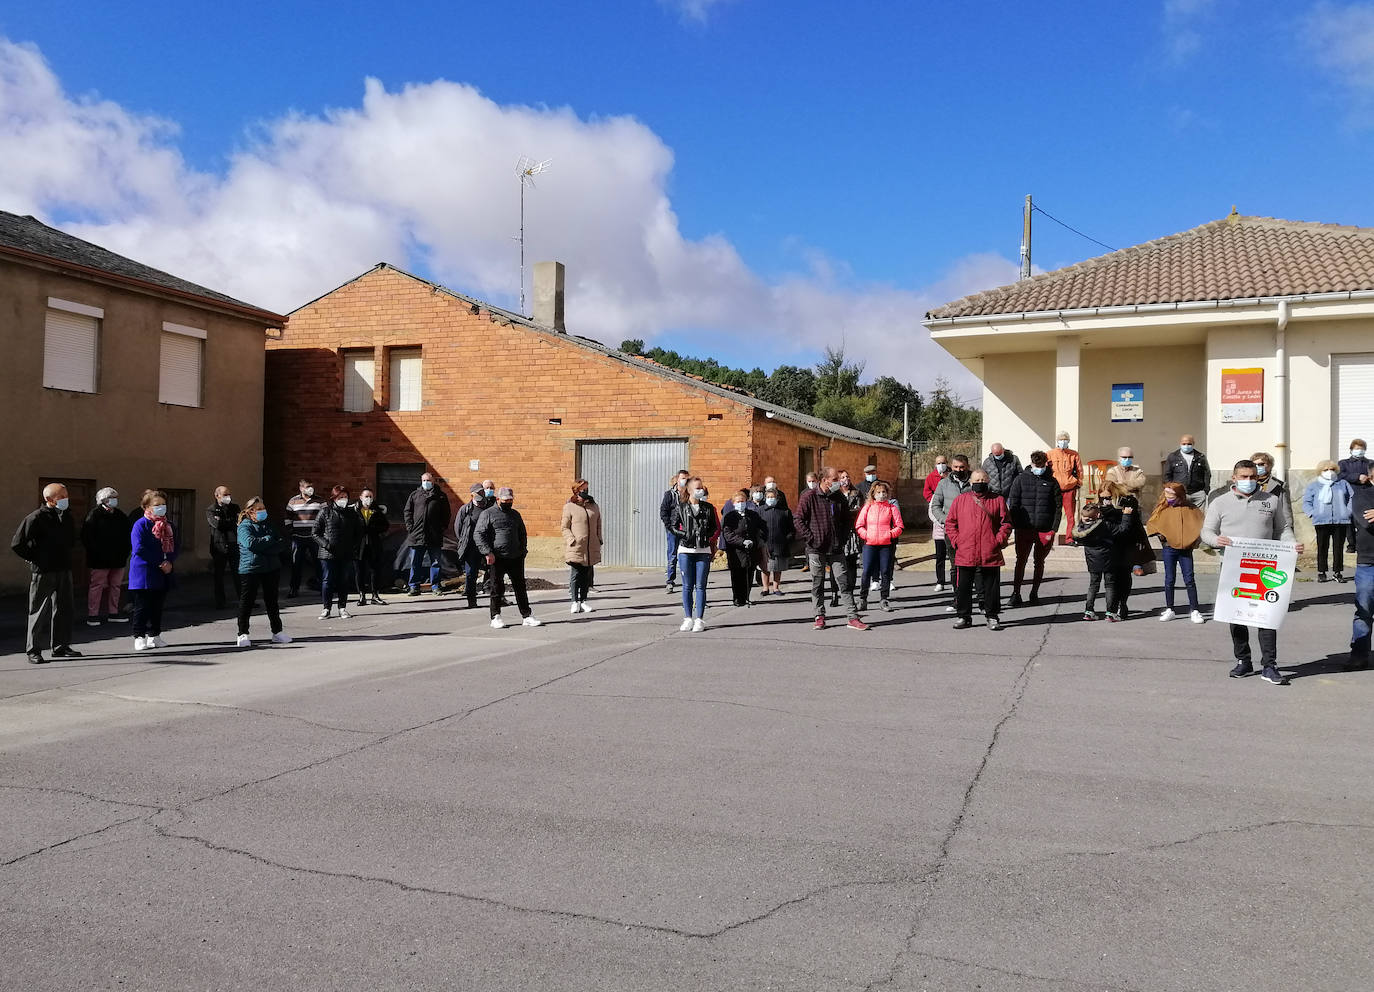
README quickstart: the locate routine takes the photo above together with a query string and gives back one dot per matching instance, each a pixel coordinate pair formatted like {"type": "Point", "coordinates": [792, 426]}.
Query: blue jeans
{"type": "Point", "coordinates": [417, 558]}
{"type": "Point", "coordinates": [1364, 611]}
{"type": "Point", "coordinates": [472, 565]}
{"type": "Point", "coordinates": [671, 572]}
{"type": "Point", "coordinates": [336, 577]}
{"type": "Point", "coordinates": [694, 568]}
{"type": "Point", "coordinates": [1184, 561]}
{"type": "Point", "coordinates": [878, 559]}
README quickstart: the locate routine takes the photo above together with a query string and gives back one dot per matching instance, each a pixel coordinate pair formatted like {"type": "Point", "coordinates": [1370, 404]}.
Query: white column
{"type": "Point", "coordinates": [1067, 353]}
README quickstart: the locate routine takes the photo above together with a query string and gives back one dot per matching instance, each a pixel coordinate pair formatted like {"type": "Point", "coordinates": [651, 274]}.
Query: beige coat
{"type": "Point", "coordinates": [1132, 478]}
{"type": "Point", "coordinates": [581, 533]}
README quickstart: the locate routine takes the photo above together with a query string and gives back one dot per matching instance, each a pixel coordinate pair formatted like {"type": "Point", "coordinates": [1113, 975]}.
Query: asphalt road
{"type": "Point", "coordinates": [411, 800]}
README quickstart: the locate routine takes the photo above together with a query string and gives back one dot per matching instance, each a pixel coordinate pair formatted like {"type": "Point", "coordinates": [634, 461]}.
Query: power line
{"type": "Point", "coordinates": [1036, 207]}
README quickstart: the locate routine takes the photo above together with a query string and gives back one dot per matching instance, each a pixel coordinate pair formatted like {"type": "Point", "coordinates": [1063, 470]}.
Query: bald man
{"type": "Point", "coordinates": [45, 540]}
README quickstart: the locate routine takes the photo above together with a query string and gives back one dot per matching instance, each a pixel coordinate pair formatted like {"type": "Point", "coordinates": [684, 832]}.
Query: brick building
{"type": "Point", "coordinates": [390, 375]}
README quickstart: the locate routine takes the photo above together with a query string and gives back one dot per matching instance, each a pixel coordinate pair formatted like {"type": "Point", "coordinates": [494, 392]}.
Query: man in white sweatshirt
{"type": "Point", "coordinates": [1248, 511]}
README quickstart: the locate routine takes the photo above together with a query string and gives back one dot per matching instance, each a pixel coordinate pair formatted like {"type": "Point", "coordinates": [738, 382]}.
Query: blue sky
{"type": "Point", "coordinates": [765, 177]}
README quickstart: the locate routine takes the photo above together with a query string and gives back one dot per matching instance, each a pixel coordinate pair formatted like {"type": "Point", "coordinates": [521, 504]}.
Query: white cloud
{"type": "Point", "coordinates": [424, 177]}
{"type": "Point", "coordinates": [1341, 40]}
{"type": "Point", "coordinates": [1183, 23]}
{"type": "Point", "coordinates": [693, 10]}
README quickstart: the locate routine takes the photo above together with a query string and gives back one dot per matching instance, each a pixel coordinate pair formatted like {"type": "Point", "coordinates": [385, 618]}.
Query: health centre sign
{"type": "Point", "coordinates": [1242, 396]}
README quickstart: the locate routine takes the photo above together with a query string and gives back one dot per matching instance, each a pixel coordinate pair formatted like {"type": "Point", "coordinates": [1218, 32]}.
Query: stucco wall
{"type": "Point", "coordinates": [121, 436]}
{"type": "Point", "coordinates": [1018, 402]}
{"type": "Point", "coordinates": [1174, 402]}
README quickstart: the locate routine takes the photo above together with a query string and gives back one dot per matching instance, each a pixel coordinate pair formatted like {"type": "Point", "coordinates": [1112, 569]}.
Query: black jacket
{"type": "Point", "coordinates": [696, 531]}
{"type": "Point", "coordinates": [373, 536]}
{"type": "Point", "coordinates": [1035, 501]}
{"type": "Point", "coordinates": [1195, 479]}
{"type": "Point", "coordinates": [45, 539]}
{"type": "Point", "coordinates": [738, 526]}
{"type": "Point", "coordinates": [1353, 468]}
{"type": "Point", "coordinates": [426, 518]}
{"type": "Point", "coordinates": [105, 536]}
{"type": "Point", "coordinates": [1364, 531]}
{"type": "Point", "coordinates": [1105, 542]}
{"type": "Point", "coordinates": [466, 522]}
{"type": "Point", "coordinates": [338, 533]}
{"type": "Point", "coordinates": [501, 532]}
{"type": "Point", "coordinates": [224, 529]}
{"type": "Point", "coordinates": [667, 508]}
{"type": "Point", "coordinates": [778, 529]}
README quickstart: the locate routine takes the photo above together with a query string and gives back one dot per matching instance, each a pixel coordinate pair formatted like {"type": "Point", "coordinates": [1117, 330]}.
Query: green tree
{"type": "Point", "coordinates": [837, 377]}
{"type": "Point", "coordinates": [632, 346]}
{"type": "Point", "coordinates": [791, 387]}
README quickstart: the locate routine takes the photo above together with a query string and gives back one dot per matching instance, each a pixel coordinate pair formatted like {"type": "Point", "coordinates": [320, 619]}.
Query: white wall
{"type": "Point", "coordinates": [1018, 402]}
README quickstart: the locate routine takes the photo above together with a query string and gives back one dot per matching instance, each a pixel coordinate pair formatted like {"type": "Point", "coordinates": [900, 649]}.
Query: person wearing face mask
{"type": "Point", "coordinates": [368, 556]}
{"type": "Point", "coordinates": [770, 486]}
{"type": "Point", "coordinates": [1121, 512]}
{"type": "Point", "coordinates": [301, 511]}
{"type": "Point", "coordinates": [1067, 468]}
{"type": "Point", "coordinates": [1188, 467]}
{"type": "Point", "coordinates": [1247, 511]}
{"type": "Point", "coordinates": [1362, 518]}
{"type": "Point", "coordinates": [503, 541]}
{"type": "Point", "coordinates": [1356, 470]}
{"type": "Point", "coordinates": [1326, 500]}
{"type": "Point", "coordinates": [937, 528]}
{"type": "Point", "coordinates": [696, 524]}
{"type": "Point", "coordinates": [150, 568]}
{"type": "Point", "coordinates": [1001, 467]}
{"type": "Point", "coordinates": [1178, 525]}
{"type": "Point", "coordinates": [473, 561]}
{"type": "Point", "coordinates": [338, 533]}
{"type": "Point", "coordinates": [259, 561]}
{"type": "Point", "coordinates": [779, 531]}
{"type": "Point", "coordinates": [581, 526]}
{"type": "Point", "coordinates": [978, 525]}
{"type": "Point", "coordinates": [853, 547]}
{"type": "Point", "coordinates": [222, 518]}
{"type": "Point", "coordinates": [741, 533]}
{"type": "Point", "coordinates": [955, 482]}
{"type": "Point", "coordinates": [878, 525]}
{"type": "Point", "coordinates": [826, 523]}
{"type": "Point", "coordinates": [667, 512]}
{"type": "Point", "coordinates": [105, 536]}
{"type": "Point", "coordinates": [427, 516]}
{"type": "Point", "coordinates": [45, 539]}
{"type": "Point", "coordinates": [865, 484]}
{"type": "Point", "coordinates": [1126, 473]}
{"type": "Point", "coordinates": [1035, 503]}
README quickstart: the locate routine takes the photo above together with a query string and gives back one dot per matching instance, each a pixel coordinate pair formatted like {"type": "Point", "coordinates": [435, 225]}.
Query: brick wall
{"type": "Point", "coordinates": [776, 445]}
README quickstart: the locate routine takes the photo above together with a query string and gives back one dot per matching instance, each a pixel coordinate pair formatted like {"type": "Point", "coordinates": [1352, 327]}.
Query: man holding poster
{"type": "Point", "coordinates": [1257, 570]}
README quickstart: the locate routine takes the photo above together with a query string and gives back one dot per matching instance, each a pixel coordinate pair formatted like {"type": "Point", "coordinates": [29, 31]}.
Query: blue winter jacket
{"type": "Point", "coordinates": [260, 548]}
{"type": "Point", "coordinates": [144, 573]}
{"type": "Point", "coordinates": [1335, 512]}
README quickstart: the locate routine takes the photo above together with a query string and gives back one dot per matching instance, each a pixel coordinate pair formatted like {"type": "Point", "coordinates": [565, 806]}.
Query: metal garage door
{"type": "Point", "coordinates": [1352, 406]}
{"type": "Point", "coordinates": [628, 479]}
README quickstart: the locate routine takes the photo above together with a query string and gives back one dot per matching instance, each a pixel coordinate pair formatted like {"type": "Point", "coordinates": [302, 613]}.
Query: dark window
{"type": "Point", "coordinates": [806, 462]}
{"type": "Point", "coordinates": [181, 511]}
{"type": "Point", "coordinates": [395, 483]}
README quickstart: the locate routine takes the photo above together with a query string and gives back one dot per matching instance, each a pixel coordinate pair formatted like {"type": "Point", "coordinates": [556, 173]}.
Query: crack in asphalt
{"type": "Point", "coordinates": [220, 706]}
{"type": "Point", "coordinates": [1203, 835]}
{"type": "Point", "coordinates": [72, 840]}
{"type": "Point", "coordinates": [83, 795]}
{"type": "Point", "coordinates": [1011, 973]}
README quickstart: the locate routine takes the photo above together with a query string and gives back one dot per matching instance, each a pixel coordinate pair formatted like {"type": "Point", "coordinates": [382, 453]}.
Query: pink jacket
{"type": "Point", "coordinates": [878, 523]}
{"type": "Point", "coordinates": [978, 530]}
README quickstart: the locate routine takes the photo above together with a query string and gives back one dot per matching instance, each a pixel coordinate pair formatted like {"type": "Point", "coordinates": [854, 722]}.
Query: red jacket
{"type": "Point", "coordinates": [878, 523]}
{"type": "Point", "coordinates": [932, 480]}
{"type": "Point", "coordinates": [978, 529]}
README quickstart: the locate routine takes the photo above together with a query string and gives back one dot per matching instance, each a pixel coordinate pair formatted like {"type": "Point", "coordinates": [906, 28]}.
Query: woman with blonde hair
{"type": "Point", "coordinates": [150, 568]}
{"type": "Point", "coordinates": [1327, 500]}
{"type": "Point", "coordinates": [260, 551]}
{"type": "Point", "coordinates": [696, 524]}
{"type": "Point", "coordinates": [1178, 525]}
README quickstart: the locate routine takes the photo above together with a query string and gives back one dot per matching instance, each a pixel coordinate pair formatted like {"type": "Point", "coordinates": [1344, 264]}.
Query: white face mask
{"type": "Point", "coordinates": [367, 501]}
{"type": "Point", "coordinates": [772, 501]}
{"type": "Point", "coordinates": [160, 510]}
{"type": "Point", "coordinates": [1329, 475]}
{"type": "Point", "coordinates": [226, 500]}
{"type": "Point", "coordinates": [1061, 444]}
{"type": "Point", "coordinates": [811, 484]}
{"type": "Point", "coordinates": [1356, 452]}
{"type": "Point", "coordinates": [310, 490]}
{"type": "Point", "coordinates": [770, 486]}
{"type": "Point", "coordinates": [942, 467]}
{"type": "Point", "coordinates": [870, 478]}
{"type": "Point", "coordinates": [699, 493]}
{"type": "Point", "coordinates": [341, 503]}
{"type": "Point", "coordinates": [758, 497]}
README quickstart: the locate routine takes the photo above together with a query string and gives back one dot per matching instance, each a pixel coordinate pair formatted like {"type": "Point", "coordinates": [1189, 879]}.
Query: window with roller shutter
{"type": "Point", "coordinates": [70, 347]}
{"type": "Point", "coordinates": [1352, 407]}
{"type": "Point", "coordinates": [405, 379]}
{"type": "Point", "coordinates": [179, 376]}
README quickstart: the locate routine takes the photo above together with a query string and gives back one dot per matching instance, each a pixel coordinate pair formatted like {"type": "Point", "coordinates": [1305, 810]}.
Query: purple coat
{"type": "Point", "coordinates": [147, 556]}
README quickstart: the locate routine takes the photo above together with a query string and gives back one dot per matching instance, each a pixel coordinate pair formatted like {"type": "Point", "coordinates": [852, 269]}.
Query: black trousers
{"type": "Point", "coordinates": [741, 575]}
{"type": "Point", "coordinates": [940, 548]}
{"type": "Point", "coordinates": [220, 562]}
{"type": "Point", "coordinates": [1268, 643]}
{"type": "Point", "coordinates": [1332, 536]}
{"type": "Point", "coordinates": [148, 611]}
{"type": "Point", "coordinates": [248, 594]}
{"type": "Point", "coordinates": [50, 610]}
{"type": "Point", "coordinates": [514, 568]}
{"type": "Point", "coordinates": [1119, 583]}
{"type": "Point", "coordinates": [365, 575]}
{"type": "Point", "coordinates": [989, 582]}
{"type": "Point", "coordinates": [304, 549]}
{"type": "Point", "coordinates": [1094, 583]}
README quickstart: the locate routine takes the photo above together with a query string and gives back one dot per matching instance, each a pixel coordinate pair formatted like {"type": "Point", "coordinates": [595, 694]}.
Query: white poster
{"type": "Point", "coordinates": [1256, 583]}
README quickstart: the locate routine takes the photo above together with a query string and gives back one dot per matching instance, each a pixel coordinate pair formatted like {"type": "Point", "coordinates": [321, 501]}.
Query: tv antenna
{"type": "Point", "coordinates": [526, 169]}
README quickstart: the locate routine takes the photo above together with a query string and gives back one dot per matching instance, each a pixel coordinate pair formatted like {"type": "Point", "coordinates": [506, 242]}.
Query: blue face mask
{"type": "Point", "coordinates": [1038, 469]}
{"type": "Point", "coordinates": [160, 510]}
{"type": "Point", "coordinates": [1126, 462]}
{"type": "Point", "coordinates": [834, 487]}
{"type": "Point", "coordinates": [772, 501]}
{"type": "Point", "coordinates": [113, 502]}
{"type": "Point", "coordinates": [63, 503]}
{"type": "Point", "coordinates": [1246, 486]}
{"type": "Point", "coordinates": [1187, 449]}
{"type": "Point", "coordinates": [870, 478]}
{"type": "Point", "coordinates": [426, 485]}
{"type": "Point", "coordinates": [260, 516]}
{"type": "Point", "coordinates": [489, 493]}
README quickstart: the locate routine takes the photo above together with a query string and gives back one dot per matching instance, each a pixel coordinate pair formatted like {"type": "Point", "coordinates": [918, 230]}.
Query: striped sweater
{"type": "Point", "coordinates": [301, 512]}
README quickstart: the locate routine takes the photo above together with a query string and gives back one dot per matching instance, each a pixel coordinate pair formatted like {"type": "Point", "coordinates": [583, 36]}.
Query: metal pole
{"type": "Point", "coordinates": [1026, 240]}
{"type": "Point", "coordinates": [906, 425]}
{"type": "Point", "coordinates": [522, 246]}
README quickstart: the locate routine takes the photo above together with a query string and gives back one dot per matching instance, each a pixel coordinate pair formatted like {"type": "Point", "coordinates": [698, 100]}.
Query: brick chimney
{"type": "Point", "coordinates": [548, 295]}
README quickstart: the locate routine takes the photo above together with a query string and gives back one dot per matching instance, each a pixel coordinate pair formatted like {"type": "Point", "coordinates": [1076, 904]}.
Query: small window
{"type": "Point", "coordinates": [181, 511]}
{"type": "Point", "coordinates": [179, 373]}
{"type": "Point", "coordinates": [359, 380]}
{"type": "Point", "coordinates": [70, 347]}
{"type": "Point", "coordinates": [395, 483]}
{"type": "Point", "coordinates": [405, 379]}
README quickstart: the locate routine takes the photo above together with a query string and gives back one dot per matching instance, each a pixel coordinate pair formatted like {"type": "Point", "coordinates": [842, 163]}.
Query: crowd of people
{"type": "Point", "coordinates": [848, 530]}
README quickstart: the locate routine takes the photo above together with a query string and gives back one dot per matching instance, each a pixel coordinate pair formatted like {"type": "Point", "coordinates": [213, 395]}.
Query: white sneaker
{"type": "Point", "coordinates": [498, 624]}
{"type": "Point", "coordinates": [531, 622]}
{"type": "Point", "coordinates": [939, 587]}
{"type": "Point", "coordinates": [698, 626]}
{"type": "Point", "coordinates": [345, 615]}
{"type": "Point", "coordinates": [243, 642]}
{"type": "Point", "coordinates": [141, 644]}
{"type": "Point", "coordinates": [873, 586]}
{"type": "Point", "coordinates": [1197, 617]}
{"type": "Point", "coordinates": [575, 608]}
{"type": "Point", "coordinates": [686, 623]}
{"type": "Point", "coordinates": [156, 641]}
{"type": "Point", "coordinates": [584, 607]}
{"type": "Point", "coordinates": [949, 609]}
{"type": "Point", "coordinates": [324, 614]}
{"type": "Point", "coordinates": [281, 637]}
{"type": "Point", "coordinates": [1166, 615]}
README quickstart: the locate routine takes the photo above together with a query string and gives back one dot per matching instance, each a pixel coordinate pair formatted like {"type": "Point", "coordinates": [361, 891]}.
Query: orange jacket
{"type": "Point", "coordinates": [1067, 468]}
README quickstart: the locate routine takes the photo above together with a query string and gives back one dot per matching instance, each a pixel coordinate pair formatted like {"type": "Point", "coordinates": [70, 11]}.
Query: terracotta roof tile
{"type": "Point", "coordinates": [1234, 258]}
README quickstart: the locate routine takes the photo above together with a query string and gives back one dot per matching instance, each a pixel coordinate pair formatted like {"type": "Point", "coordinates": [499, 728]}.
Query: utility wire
{"type": "Point", "coordinates": [1037, 209]}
